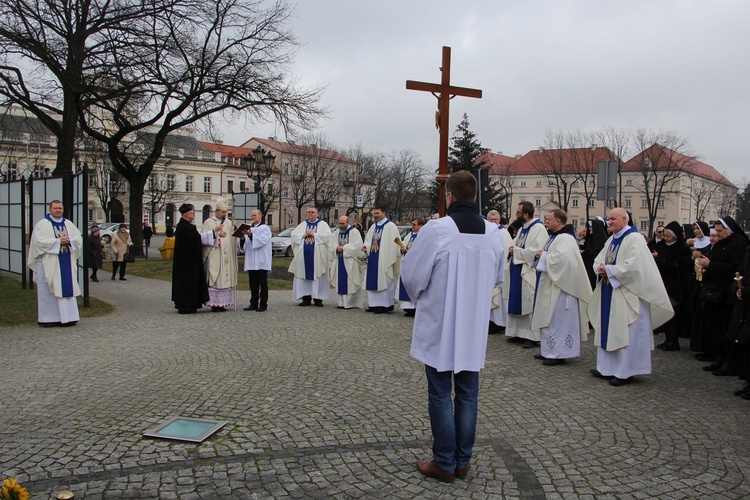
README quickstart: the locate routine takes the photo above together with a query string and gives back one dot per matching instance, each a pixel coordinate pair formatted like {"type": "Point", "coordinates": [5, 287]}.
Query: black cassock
{"type": "Point", "coordinates": [189, 287]}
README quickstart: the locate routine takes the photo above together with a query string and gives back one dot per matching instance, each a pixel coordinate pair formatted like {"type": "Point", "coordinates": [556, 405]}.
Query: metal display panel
{"type": "Point", "coordinates": [12, 227]}
{"type": "Point", "coordinates": [244, 203]}
{"type": "Point", "coordinates": [194, 430]}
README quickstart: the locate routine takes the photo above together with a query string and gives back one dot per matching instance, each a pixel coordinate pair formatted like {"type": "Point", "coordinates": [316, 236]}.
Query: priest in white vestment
{"type": "Point", "coordinates": [383, 262]}
{"type": "Point", "coordinates": [499, 308]}
{"type": "Point", "coordinates": [256, 242]}
{"type": "Point", "coordinates": [521, 277]}
{"type": "Point", "coordinates": [450, 272]}
{"type": "Point", "coordinates": [629, 302]}
{"type": "Point", "coordinates": [347, 265]}
{"type": "Point", "coordinates": [220, 259]}
{"type": "Point", "coordinates": [562, 294]}
{"type": "Point", "coordinates": [311, 243]}
{"type": "Point", "coordinates": [407, 305]}
{"type": "Point", "coordinates": [53, 253]}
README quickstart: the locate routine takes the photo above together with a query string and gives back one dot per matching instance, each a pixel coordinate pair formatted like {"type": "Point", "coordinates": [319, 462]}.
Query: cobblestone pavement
{"type": "Point", "coordinates": [326, 403]}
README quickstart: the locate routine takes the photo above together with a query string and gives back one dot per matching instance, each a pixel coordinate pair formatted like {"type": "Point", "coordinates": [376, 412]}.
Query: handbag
{"type": "Point", "coordinates": [739, 326]}
{"type": "Point", "coordinates": [128, 257]}
{"type": "Point", "coordinates": [713, 294]}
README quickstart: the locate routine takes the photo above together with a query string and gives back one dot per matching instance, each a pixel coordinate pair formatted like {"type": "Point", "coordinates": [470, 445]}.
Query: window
{"type": "Point", "coordinates": [575, 223]}
{"type": "Point", "coordinates": [592, 202]}
{"type": "Point", "coordinates": [170, 182]}
{"type": "Point", "coordinates": [523, 184]}
{"type": "Point", "coordinates": [269, 219]}
{"type": "Point", "coordinates": [91, 215]}
{"type": "Point", "coordinates": [538, 184]}
{"type": "Point", "coordinates": [230, 186]}
{"type": "Point", "coordinates": [575, 203]}
{"type": "Point", "coordinates": [286, 167]}
{"type": "Point", "coordinates": [644, 203]}
{"type": "Point", "coordinates": [644, 225]}
{"type": "Point", "coordinates": [592, 182]}
{"type": "Point", "coordinates": [286, 192]}
{"type": "Point", "coordinates": [576, 183]}
{"type": "Point", "coordinates": [660, 204]}
{"type": "Point", "coordinates": [629, 182]}
{"type": "Point", "coordinates": [538, 202]}
{"type": "Point", "coordinates": [550, 184]}
{"type": "Point", "coordinates": [206, 184]}
{"type": "Point", "coordinates": [243, 187]}
{"type": "Point", "coordinates": [628, 203]}
{"type": "Point", "coordinates": [189, 183]}
{"type": "Point", "coordinates": [92, 180]}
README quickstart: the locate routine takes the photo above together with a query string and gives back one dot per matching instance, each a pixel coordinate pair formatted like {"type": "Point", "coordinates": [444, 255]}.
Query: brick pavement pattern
{"type": "Point", "coordinates": [326, 403]}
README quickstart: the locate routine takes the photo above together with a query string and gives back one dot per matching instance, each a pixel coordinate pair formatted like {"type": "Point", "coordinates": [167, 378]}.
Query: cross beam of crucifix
{"type": "Point", "coordinates": [444, 92]}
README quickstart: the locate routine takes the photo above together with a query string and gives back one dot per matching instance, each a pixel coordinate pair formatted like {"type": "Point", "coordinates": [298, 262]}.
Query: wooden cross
{"type": "Point", "coordinates": [444, 93]}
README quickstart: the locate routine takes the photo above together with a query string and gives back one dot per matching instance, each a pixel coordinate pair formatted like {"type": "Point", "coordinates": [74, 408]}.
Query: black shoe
{"type": "Point", "coordinates": [69, 323]}
{"type": "Point", "coordinates": [553, 362]}
{"type": "Point", "coordinates": [123, 279]}
{"type": "Point", "coordinates": [744, 390]}
{"type": "Point", "coordinates": [746, 396]}
{"type": "Point", "coordinates": [378, 310]}
{"type": "Point", "coordinates": [95, 279]}
{"type": "Point", "coordinates": [262, 309]}
{"type": "Point", "coordinates": [618, 382]}
{"type": "Point", "coordinates": [318, 303]}
{"type": "Point", "coordinates": [250, 308]}
{"type": "Point", "coordinates": [705, 357]}
{"type": "Point", "coordinates": [515, 340]}
{"type": "Point", "coordinates": [389, 309]}
{"type": "Point", "coordinates": [187, 310]}
{"type": "Point", "coordinates": [113, 277]}
{"type": "Point", "coordinates": [712, 367]}
{"type": "Point", "coordinates": [673, 346]}
{"type": "Point", "coordinates": [596, 373]}
{"type": "Point", "coordinates": [662, 345]}
{"type": "Point", "coordinates": [529, 344]}
{"type": "Point", "coordinates": [305, 303]}
{"type": "Point", "coordinates": [49, 325]}
{"type": "Point", "coordinates": [410, 312]}
{"type": "Point", "coordinates": [539, 356]}
{"type": "Point", "coordinates": [724, 371]}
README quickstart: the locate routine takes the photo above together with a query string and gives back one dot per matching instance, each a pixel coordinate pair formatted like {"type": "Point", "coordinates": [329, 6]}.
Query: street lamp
{"type": "Point", "coordinates": [259, 164]}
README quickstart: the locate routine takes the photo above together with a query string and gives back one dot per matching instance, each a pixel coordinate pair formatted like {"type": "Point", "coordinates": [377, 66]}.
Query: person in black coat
{"type": "Point", "coordinates": [675, 263]}
{"type": "Point", "coordinates": [189, 286]}
{"type": "Point", "coordinates": [718, 272]}
{"type": "Point", "coordinates": [94, 243]}
{"type": "Point", "coordinates": [739, 327]}
{"type": "Point", "coordinates": [596, 236]}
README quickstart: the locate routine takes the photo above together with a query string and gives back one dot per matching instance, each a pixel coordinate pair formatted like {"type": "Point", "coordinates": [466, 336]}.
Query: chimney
{"type": "Point", "coordinates": [219, 141]}
{"type": "Point", "coordinates": [593, 146]}
{"type": "Point", "coordinates": [541, 149]}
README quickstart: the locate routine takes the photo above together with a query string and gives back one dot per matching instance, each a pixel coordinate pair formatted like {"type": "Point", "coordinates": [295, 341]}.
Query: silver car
{"type": "Point", "coordinates": [281, 244]}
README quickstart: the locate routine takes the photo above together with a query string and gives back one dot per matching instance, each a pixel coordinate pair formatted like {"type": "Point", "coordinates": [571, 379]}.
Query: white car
{"type": "Point", "coordinates": [107, 230]}
{"type": "Point", "coordinates": [281, 244]}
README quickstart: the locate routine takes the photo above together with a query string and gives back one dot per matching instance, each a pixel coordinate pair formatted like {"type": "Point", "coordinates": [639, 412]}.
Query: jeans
{"type": "Point", "coordinates": [453, 431]}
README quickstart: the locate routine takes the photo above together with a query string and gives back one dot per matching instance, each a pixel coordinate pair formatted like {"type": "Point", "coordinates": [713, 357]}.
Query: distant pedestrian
{"type": "Point", "coordinates": [147, 234]}
{"type": "Point", "coordinates": [95, 249]}
{"type": "Point", "coordinates": [120, 245]}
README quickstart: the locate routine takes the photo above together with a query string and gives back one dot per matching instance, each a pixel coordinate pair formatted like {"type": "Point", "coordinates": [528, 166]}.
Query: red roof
{"type": "Point", "coordinates": [496, 163]}
{"type": "Point", "coordinates": [298, 149]}
{"type": "Point", "coordinates": [571, 160]}
{"type": "Point", "coordinates": [663, 156]}
{"type": "Point", "coordinates": [226, 150]}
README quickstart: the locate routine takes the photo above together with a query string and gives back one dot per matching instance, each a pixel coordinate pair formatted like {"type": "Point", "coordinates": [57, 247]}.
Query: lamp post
{"type": "Point", "coordinates": [259, 164]}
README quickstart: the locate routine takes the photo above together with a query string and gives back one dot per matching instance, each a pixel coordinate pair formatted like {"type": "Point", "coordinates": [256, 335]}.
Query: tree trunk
{"type": "Point", "coordinates": [136, 216]}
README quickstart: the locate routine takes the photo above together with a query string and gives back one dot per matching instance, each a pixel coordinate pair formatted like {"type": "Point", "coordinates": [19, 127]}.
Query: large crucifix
{"type": "Point", "coordinates": [444, 93]}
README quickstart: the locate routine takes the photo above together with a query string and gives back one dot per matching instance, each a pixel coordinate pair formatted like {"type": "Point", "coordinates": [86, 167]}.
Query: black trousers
{"type": "Point", "coordinates": [258, 288]}
{"type": "Point", "coordinates": [121, 266]}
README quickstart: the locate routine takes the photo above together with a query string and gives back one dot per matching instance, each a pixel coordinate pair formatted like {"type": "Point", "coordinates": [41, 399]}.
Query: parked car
{"type": "Point", "coordinates": [107, 230]}
{"type": "Point", "coordinates": [281, 244]}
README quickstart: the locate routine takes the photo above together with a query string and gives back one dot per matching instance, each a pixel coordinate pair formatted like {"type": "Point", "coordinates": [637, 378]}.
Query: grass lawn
{"type": "Point", "coordinates": [279, 279]}
{"type": "Point", "coordinates": [18, 306]}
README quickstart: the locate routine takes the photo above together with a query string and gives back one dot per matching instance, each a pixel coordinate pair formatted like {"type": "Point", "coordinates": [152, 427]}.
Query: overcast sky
{"type": "Point", "coordinates": [673, 65]}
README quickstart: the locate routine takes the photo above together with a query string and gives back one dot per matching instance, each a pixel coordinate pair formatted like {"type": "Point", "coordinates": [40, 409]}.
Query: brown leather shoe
{"type": "Point", "coordinates": [462, 473]}
{"type": "Point", "coordinates": [430, 469]}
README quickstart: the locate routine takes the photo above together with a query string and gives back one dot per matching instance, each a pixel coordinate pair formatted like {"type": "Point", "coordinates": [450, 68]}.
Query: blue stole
{"type": "Point", "coordinates": [308, 250]}
{"type": "Point", "coordinates": [371, 282]}
{"type": "Point", "coordinates": [63, 258]}
{"type": "Point", "coordinates": [402, 293]}
{"type": "Point", "coordinates": [515, 299]}
{"type": "Point", "coordinates": [610, 258]}
{"type": "Point", "coordinates": [539, 273]}
{"type": "Point", "coordinates": [342, 286]}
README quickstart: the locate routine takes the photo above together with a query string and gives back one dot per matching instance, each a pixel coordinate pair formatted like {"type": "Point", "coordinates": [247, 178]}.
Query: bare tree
{"type": "Point", "coordinates": [160, 189]}
{"type": "Point", "coordinates": [702, 193]}
{"type": "Point", "coordinates": [191, 61]}
{"type": "Point", "coordinates": [52, 52]}
{"type": "Point", "coordinates": [369, 168]}
{"type": "Point", "coordinates": [583, 157]}
{"type": "Point", "coordinates": [553, 163]}
{"type": "Point", "coordinates": [661, 159]}
{"type": "Point", "coordinates": [405, 180]}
